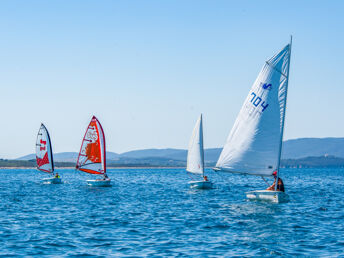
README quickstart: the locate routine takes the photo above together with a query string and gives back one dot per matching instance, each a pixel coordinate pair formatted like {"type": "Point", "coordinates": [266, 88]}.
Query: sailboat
{"type": "Point", "coordinates": [254, 144]}
{"type": "Point", "coordinates": [195, 158]}
{"type": "Point", "coordinates": [92, 155]}
{"type": "Point", "coordinates": [44, 156]}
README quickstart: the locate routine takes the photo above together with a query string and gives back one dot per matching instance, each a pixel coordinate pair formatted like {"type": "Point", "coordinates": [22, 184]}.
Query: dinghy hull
{"type": "Point", "coordinates": [52, 180]}
{"type": "Point", "coordinates": [99, 183]}
{"type": "Point", "coordinates": [201, 184]}
{"type": "Point", "coordinates": [266, 195]}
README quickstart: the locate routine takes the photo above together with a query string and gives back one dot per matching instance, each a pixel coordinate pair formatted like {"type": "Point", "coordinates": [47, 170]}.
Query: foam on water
{"type": "Point", "coordinates": [153, 212]}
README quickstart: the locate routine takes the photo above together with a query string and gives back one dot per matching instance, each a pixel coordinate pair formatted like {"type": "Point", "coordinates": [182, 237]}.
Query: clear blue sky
{"type": "Point", "coordinates": [147, 69]}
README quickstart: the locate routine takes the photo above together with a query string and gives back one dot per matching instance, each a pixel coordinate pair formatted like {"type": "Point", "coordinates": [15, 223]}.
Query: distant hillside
{"type": "Point", "coordinates": [67, 156]}
{"type": "Point", "coordinates": [292, 149]}
{"type": "Point", "coordinates": [307, 147]}
{"type": "Point", "coordinates": [323, 161]}
{"type": "Point", "coordinates": [210, 155]}
{"type": "Point", "coordinates": [154, 153]}
{"type": "Point", "coordinates": [29, 163]}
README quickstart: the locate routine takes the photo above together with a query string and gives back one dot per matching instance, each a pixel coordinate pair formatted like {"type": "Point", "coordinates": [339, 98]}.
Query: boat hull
{"type": "Point", "coordinates": [99, 183]}
{"type": "Point", "coordinates": [52, 180]}
{"type": "Point", "coordinates": [201, 184]}
{"type": "Point", "coordinates": [266, 195]}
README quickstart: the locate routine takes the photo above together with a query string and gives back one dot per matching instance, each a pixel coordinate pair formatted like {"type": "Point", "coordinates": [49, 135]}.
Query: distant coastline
{"type": "Point", "coordinates": [307, 162]}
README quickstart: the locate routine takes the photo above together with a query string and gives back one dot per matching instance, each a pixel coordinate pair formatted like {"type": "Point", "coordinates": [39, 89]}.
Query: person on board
{"type": "Point", "coordinates": [57, 175]}
{"type": "Point", "coordinates": [280, 185]}
{"type": "Point", "coordinates": [205, 178]}
{"type": "Point", "coordinates": [105, 177]}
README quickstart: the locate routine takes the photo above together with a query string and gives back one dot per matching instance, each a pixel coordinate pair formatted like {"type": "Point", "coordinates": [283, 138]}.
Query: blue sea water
{"type": "Point", "coordinates": [150, 212]}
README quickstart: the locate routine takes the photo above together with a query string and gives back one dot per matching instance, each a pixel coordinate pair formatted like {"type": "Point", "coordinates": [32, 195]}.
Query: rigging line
{"type": "Point", "coordinates": [265, 181]}
{"type": "Point", "coordinates": [219, 174]}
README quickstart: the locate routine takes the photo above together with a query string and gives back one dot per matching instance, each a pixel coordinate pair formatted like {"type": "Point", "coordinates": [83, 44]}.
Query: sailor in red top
{"type": "Point", "coordinates": [205, 178]}
{"type": "Point", "coordinates": [280, 185]}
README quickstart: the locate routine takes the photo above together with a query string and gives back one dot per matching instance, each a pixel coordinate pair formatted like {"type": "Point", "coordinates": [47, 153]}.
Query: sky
{"type": "Point", "coordinates": [147, 69]}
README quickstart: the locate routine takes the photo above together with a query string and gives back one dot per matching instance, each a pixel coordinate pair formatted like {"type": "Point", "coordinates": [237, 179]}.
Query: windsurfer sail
{"type": "Point", "coordinates": [44, 154]}
{"type": "Point", "coordinates": [92, 155]}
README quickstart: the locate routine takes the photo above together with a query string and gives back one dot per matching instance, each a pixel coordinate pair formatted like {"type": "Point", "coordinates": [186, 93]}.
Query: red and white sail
{"type": "Point", "coordinates": [92, 155]}
{"type": "Point", "coordinates": [44, 154]}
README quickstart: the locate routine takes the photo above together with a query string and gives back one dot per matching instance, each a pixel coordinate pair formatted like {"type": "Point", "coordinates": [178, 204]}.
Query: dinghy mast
{"type": "Point", "coordinates": [284, 112]}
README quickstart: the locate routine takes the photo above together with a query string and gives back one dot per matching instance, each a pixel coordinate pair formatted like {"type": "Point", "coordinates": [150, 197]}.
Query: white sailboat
{"type": "Point", "coordinates": [92, 155]}
{"type": "Point", "coordinates": [254, 144]}
{"type": "Point", "coordinates": [195, 159]}
{"type": "Point", "coordinates": [44, 156]}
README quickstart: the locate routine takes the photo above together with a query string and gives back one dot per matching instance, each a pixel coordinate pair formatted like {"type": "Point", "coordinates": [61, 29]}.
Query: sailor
{"type": "Point", "coordinates": [205, 178]}
{"type": "Point", "coordinates": [280, 185]}
{"type": "Point", "coordinates": [105, 177]}
{"type": "Point", "coordinates": [57, 175]}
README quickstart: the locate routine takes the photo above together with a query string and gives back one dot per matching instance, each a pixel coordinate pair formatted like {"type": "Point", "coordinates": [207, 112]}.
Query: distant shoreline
{"type": "Point", "coordinates": [60, 168]}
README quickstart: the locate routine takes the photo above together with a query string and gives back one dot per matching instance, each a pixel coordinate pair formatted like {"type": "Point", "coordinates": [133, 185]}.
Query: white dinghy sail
{"type": "Point", "coordinates": [255, 141]}
{"type": "Point", "coordinates": [195, 158]}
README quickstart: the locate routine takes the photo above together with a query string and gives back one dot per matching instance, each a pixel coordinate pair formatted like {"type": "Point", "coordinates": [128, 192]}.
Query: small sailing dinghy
{"type": "Point", "coordinates": [195, 159]}
{"type": "Point", "coordinates": [92, 155]}
{"type": "Point", "coordinates": [254, 144]}
{"type": "Point", "coordinates": [44, 156]}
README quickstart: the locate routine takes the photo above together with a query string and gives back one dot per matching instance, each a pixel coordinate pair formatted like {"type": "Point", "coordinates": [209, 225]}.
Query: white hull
{"type": "Point", "coordinates": [99, 182]}
{"type": "Point", "coordinates": [266, 195]}
{"type": "Point", "coordinates": [201, 184]}
{"type": "Point", "coordinates": [52, 180]}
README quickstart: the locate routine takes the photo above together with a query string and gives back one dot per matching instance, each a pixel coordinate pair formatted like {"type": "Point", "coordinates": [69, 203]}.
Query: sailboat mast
{"type": "Point", "coordinates": [51, 152]}
{"type": "Point", "coordinates": [283, 119]}
{"type": "Point", "coordinates": [201, 142]}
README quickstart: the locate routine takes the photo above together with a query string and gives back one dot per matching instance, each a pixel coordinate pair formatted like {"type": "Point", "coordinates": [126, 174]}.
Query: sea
{"type": "Point", "coordinates": [153, 212]}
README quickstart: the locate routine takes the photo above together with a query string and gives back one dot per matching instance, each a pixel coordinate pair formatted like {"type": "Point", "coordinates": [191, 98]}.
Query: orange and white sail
{"type": "Point", "coordinates": [44, 153]}
{"type": "Point", "coordinates": [92, 155]}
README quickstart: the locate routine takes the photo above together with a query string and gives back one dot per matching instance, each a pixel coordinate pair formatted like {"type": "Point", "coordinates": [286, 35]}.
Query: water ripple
{"type": "Point", "coordinates": [153, 212]}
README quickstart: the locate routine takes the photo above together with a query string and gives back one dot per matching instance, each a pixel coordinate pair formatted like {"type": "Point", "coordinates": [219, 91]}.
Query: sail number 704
{"type": "Point", "coordinates": [256, 101]}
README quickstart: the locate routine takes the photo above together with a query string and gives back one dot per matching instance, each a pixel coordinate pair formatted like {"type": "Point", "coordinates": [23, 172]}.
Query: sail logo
{"type": "Point", "coordinates": [266, 86]}
{"type": "Point", "coordinates": [92, 134]}
{"type": "Point", "coordinates": [42, 148]}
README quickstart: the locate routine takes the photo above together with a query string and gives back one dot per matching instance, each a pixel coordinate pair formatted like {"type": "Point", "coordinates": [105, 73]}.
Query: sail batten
{"type": "Point", "coordinates": [92, 155]}
{"type": "Point", "coordinates": [195, 158]}
{"type": "Point", "coordinates": [44, 154]}
{"type": "Point", "coordinates": [253, 145]}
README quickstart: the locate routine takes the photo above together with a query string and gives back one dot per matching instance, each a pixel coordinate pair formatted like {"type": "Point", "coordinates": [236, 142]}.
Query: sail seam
{"type": "Point", "coordinates": [273, 67]}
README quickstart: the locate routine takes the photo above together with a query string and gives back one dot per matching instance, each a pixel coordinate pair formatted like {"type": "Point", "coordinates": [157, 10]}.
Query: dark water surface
{"type": "Point", "coordinates": [153, 212]}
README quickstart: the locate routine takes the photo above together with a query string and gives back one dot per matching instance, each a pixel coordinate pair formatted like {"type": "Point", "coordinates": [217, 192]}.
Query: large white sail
{"type": "Point", "coordinates": [253, 145]}
{"type": "Point", "coordinates": [44, 154]}
{"type": "Point", "coordinates": [195, 159]}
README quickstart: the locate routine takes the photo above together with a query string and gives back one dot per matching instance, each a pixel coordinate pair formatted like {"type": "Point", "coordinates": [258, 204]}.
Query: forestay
{"type": "Point", "coordinates": [253, 145]}
{"type": "Point", "coordinates": [195, 159]}
{"type": "Point", "coordinates": [92, 155]}
{"type": "Point", "coordinates": [44, 154]}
